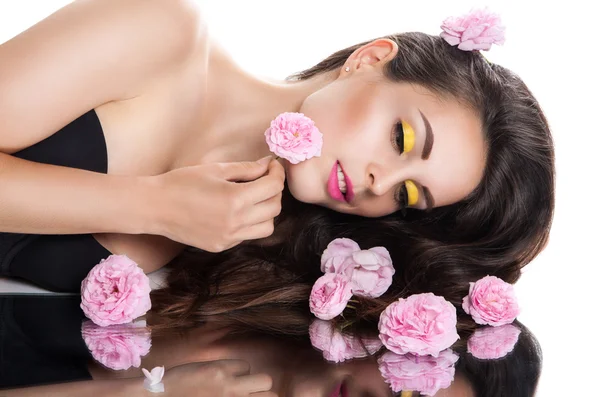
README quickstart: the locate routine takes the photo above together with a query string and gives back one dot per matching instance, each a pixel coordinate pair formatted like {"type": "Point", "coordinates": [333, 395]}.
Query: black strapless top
{"type": "Point", "coordinates": [59, 262]}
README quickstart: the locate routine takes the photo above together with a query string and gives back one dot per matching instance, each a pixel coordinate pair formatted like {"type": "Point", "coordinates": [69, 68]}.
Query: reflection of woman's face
{"type": "Point", "coordinates": [365, 121]}
{"type": "Point", "coordinates": [311, 376]}
{"type": "Point", "coordinates": [358, 378]}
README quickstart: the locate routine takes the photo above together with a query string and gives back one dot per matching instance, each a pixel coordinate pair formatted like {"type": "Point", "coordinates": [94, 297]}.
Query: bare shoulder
{"type": "Point", "coordinates": [171, 26]}
{"type": "Point", "coordinates": [92, 52]}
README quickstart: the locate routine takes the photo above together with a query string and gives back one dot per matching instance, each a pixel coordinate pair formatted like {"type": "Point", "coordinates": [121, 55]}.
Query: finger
{"type": "Point", "coordinates": [276, 169]}
{"type": "Point", "coordinates": [253, 383]}
{"type": "Point", "coordinates": [245, 171]}
{"type": "Point", "coordinates": [263, 212]}
{"type": "Point", "coordinates": [259, 230]}
{"type": "Point", "coordinates": [265, 394]}
{"type": "Point", "coordinates": [261, 189]}
{"type": "Point", "coordinates": [234, 367]}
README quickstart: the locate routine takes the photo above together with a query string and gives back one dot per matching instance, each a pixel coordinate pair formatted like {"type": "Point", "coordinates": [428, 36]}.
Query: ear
{"type": "Point", "coordinates": [374, 54]}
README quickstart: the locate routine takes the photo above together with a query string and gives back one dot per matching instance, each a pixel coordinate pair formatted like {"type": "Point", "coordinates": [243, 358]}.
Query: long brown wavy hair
{"type": "Point", "coordinates": [496, 230]}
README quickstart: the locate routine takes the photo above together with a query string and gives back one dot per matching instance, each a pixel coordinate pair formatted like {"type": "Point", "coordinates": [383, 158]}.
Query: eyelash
{"type": "Point", "coordinates": [402, 198]}
{"type": "Point", "coordinates": [402, 194]}
{"type": "Point", "coordinates": [399, 137]}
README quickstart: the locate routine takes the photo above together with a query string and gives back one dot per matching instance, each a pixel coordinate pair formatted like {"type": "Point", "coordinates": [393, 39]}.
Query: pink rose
{"type": "Point", "coordinates": [424, 374]}
{"type": "Point", "coordinates": [420, 324]}
{"type": "Point", "coordinates": [117, 347]}
{"type": "Point", "coordinates": [491, 301]}
{"type": "Point", "coordinates": [477, 30]}
{"type": "Point", "coordinates": [115, 291]}
{"type": "Point", "coordinates": [294, 137]}
{"type": "Point", "coordinates": [330, 295]}
{"type": "Point", "coordinates": [338, 347]}
{"type": "Point", "coordinates": [371, 272]}
{"type": "Point", "coordinates": [336, 253]}
{"type": "Point", "coordinates": [490, 343]}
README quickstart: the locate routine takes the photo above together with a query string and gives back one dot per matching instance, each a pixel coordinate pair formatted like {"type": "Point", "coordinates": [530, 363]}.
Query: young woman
{"type": "Point", "coordinates": [125, 129]}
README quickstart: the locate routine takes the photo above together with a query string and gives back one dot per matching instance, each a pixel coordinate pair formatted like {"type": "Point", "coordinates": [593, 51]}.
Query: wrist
{"type": "Point", "coordinates": [147, 200]}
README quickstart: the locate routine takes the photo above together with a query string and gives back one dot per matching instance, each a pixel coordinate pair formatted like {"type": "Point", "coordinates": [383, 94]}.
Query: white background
{"type": "Point", "coordinates": [551, 45]}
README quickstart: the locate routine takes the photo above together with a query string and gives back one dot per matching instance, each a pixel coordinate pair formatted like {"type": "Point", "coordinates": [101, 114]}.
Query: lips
{"type": "Point", "coordinates": [349, 189]}
{"type": "Point", "coordinates": [340, 390]}
{"type": "Point", "coordinates": [333, 187]}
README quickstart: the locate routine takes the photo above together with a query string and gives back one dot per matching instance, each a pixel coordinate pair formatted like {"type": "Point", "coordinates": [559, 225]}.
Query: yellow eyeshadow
{"type": "Point", "coordinates": [409, 137]}
{"type": "Point", "coordinates": [412, 192]}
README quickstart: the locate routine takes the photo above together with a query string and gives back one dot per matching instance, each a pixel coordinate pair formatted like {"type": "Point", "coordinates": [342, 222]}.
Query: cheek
{"type": "Point", "coordinates": [304, 181]}
{"type": "Point", "coordinates": [343, 111]}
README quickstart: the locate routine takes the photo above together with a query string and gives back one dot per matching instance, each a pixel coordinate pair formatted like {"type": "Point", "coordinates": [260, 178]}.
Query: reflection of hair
{"type": "Point", "coordinates": [515, 375]}
{"type": "Point", "coordinates": [498, 229]}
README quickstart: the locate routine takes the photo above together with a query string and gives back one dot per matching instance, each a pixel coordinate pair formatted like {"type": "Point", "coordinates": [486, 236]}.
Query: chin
{"type": "Point", "coordinates": [304, 183]}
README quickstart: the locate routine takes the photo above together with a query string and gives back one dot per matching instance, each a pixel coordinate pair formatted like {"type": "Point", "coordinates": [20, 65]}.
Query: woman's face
{"type": "Point", "coordinates": [387, 145]}
{"type": "Point", "coordinates": [357, 378]}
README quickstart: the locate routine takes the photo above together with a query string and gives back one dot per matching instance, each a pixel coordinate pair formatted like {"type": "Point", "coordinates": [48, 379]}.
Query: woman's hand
{"type": "Point", "coordinates": [217, 206]}
{"type": "Point", "coordinates": [228, 378]}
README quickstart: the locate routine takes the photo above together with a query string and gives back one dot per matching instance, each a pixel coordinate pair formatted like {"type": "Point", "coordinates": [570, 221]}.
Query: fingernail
{"type": "Point", "coordinates": [265, 160]}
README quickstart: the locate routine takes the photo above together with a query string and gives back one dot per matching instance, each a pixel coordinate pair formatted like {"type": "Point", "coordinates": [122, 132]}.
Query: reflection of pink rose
{"type": "Point", "coordinates": [115, 291]}
{"type": "Point", "coordinates": [491, 301]}
{"type": "Point", "coordinates": [421, 324]}
{"type": "Point", "coordinates": [336, 253]}
{"type": "Point", "coordinates": [490, 343]}
{"type": "Point", "coordinates": [330, 295]}
{"type": "Point", "coordinates": [370, 270]}
{"type": "Point", "coordinates": [338, 347]}
{"type": "Point", "coordinates": [425, 374]}
{"type": "Point", "coordinates": [477, 30]}
{"type": "Point", "coordinates": [117, 347]}
{"type": "Point", "coordinates": [294, 137]}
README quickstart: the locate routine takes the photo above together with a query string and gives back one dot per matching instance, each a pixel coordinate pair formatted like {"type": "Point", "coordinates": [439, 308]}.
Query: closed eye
{"type": "Point", "coordinates": [399, 137]}
{"type": "Point", "coordinates": [402, 198]}
{"type": "Point", "coordinates": [403, 138]}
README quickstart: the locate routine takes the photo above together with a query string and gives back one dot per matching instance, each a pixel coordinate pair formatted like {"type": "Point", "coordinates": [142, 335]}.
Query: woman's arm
{"type": "Point", "coordinates": [89, 53]}
{"type": "Point", "coordinates": [92, 388]}
{"type": "Point", "coordinates": [45, 199]}
{"type": "Point", "coordinates": [214, 379]}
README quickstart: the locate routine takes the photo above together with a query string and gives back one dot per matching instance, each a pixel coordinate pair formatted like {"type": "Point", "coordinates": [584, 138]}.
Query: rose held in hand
{"type": "Point", "coordinates": [294, 137]}
{"type": "Point", "coordinates": [116, 291]}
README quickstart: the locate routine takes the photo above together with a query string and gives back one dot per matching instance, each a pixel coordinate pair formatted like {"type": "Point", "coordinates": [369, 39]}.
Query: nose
{"type": "Point", "coordinates": [379, 181]}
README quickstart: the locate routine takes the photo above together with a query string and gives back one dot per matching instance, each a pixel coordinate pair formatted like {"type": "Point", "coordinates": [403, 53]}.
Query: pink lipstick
{"type": "Point", "coordinates": [333, 187]}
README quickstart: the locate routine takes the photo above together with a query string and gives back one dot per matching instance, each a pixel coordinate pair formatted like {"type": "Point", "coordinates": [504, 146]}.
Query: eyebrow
{"type": "Point", "coordinates": [428, 138]}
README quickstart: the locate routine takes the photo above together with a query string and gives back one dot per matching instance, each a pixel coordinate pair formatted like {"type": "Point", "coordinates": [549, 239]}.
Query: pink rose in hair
{"type": "Point", "coordinates": [424, 374]}
{"type": "Point", "coordinates": [117, 347]}
{"type": "Point", "coordinates": [370, 271]}
{"type": "Point", "coordinates": [330, 295]}
{"type": "Point", "coordinates": [336, 253]}
{"type": "Point", "coordinates": [115, 291]}
{"type": "Point", "coordinates": [420, 324]}
{"type": "Point", "coordinates": [491, 301]}
{"type": "Point", "coordinates": [477, 30]}
{"type": "Point", "coordinates": [490, 343]}
{"type": "Point", "coordinates": [337, 347]}
{"type": "Point", "coordinates": [294, 137]}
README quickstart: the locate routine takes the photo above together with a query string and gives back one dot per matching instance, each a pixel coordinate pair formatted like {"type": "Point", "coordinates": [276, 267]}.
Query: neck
{"type": "Point", "coordinates": [239, 108]}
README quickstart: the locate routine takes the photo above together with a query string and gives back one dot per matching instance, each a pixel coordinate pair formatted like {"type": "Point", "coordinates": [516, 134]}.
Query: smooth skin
{"type": "Point", "coordinates": [182, 121]}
